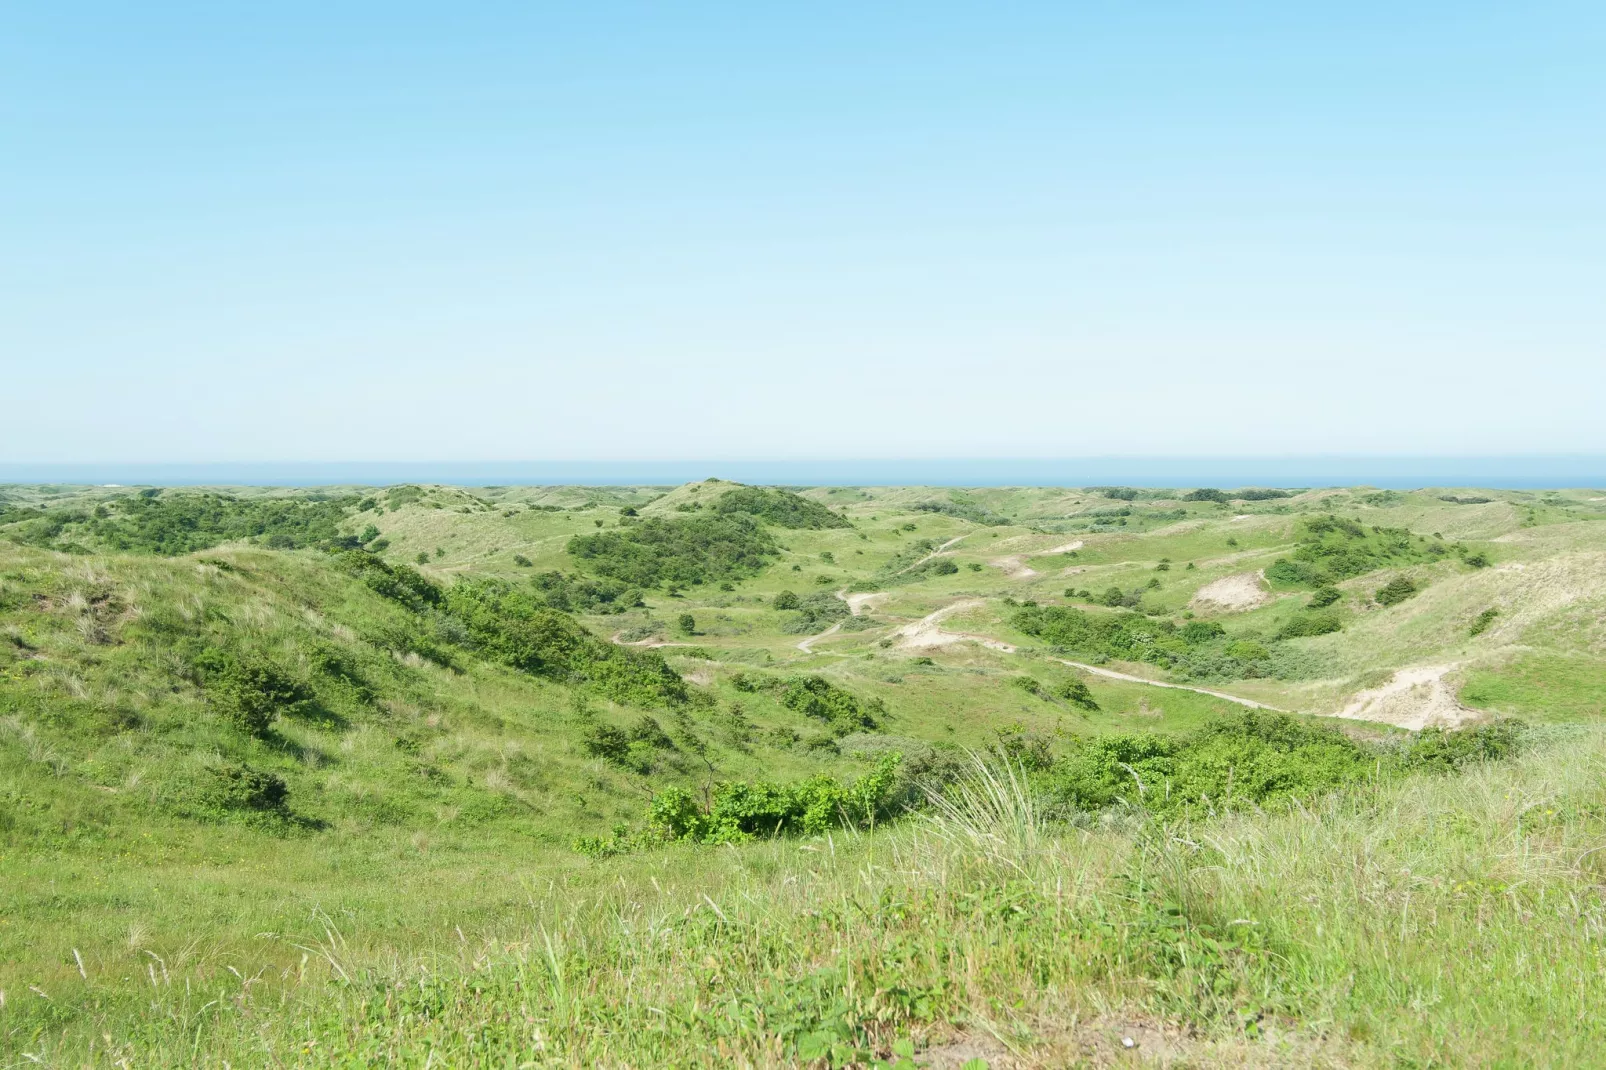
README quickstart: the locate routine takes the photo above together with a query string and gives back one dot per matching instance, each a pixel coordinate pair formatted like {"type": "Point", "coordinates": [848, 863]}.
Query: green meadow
{"type": "Point", "coordinates": [870, 776]}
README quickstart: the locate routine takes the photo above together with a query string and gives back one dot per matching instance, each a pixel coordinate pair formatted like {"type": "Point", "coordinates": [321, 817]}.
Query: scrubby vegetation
{"type": "Point", "coordinates": [779, 507]}
{"type": "Point", "coordinates": [1195, 649]}
{"type": "Point", "coordinates": [1332, 549]}
{"type": "Point", "coordinates": [303, 804]}
{"type": "Point", "coordinates": [691, 551]}
{"type": "Point", "coordinates": [169, 523]}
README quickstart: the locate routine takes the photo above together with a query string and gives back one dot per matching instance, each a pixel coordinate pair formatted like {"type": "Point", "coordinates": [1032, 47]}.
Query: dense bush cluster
{"type": "Point", "coordinates": [581, 594]}
{"type": "Point", "coordinates": [685, 550]}
{"type": "Point", "coordinates": [247, 692]}
{"type": "Point", "coordinates": [1248, 759]}
{"type": "Point", "coordinates": [817, 697]}
{"type": "Point", "coordinates": [1196, 649]}
{"type": "Point", "coordinates": [169, 524]}
{"type": "Point", "coordinates": [512, 626]}
{"type": "Point", "coordinates": [964, 510]}
{"type": "Point", "coordinates": [812, 612]}
{"type": "Point", "coordinates": [1331, 548]}
{"type": "Point", "coordinates": [739, 811]}
{"type": "Point", "coordinates": [779, 507]}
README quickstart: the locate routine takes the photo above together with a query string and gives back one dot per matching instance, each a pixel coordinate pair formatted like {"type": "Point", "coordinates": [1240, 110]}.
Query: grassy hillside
{"type": "Point", "coordinates": [304, 773]}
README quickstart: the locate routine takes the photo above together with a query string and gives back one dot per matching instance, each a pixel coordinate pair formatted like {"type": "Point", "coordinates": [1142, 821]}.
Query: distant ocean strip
{"type": "Point", "coordinates": [1332, 471]}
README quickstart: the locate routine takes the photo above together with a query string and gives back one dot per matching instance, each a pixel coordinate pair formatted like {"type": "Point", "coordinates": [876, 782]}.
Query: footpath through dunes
{"type": "Point", "coordinates": [927, 633]}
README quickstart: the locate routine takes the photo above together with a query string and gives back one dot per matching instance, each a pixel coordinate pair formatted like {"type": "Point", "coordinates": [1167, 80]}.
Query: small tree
{"type": "Point", "coordinates": [785, 600]}
{"type": "Point", "coordinates": [687, 622]}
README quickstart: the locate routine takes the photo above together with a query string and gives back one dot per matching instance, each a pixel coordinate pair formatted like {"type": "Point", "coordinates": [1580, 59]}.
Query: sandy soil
{"type": "Point", "coordinates": [1415, 698]}
{"type": "Point", "coordinates": [1014, 566]}
{"type": "Point", "coordinates": [927, 633]}
{"type": "Point", "coordinates": [1067, 548]}
{"type": "Point", "coordinates": [1244, 590]}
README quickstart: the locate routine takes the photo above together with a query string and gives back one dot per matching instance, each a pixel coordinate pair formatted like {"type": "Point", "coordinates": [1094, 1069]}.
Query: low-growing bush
{"type": "Point", "coordinates": [1395, 591]}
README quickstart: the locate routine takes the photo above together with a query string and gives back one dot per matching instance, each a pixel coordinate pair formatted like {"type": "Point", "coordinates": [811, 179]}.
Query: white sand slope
{"type": "Point", "coordinates": [1235, 593]}
{"type": "Point", "coordinates": [1414, 698]}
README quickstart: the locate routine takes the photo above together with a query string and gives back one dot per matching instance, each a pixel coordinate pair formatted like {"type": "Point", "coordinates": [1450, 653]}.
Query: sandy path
{"type": "Point", "coordinates": [1113, 675]}
{"type": "Point", "coordinates": [649, 642]}
{"type": "Point", "coordinates": [1415, 698]}
{"type": "Point", "coordinates": [927, 633]}
{"type": "Point", "coordinates": [1245, 590]}
{"type": "Point", "coordinates": [807, 645]}
{"type": "Point", "coordinates": [858, 602]}
{"type": "Point", "coordinates": [938, 552]}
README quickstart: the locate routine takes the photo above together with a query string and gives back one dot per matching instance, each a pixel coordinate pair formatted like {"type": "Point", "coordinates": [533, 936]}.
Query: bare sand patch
{"type": "Point", "coordinates": [1414, 699]}
{"type": "Point", "coordinates": [1243, 590]}
{"type": "Point", "coordinates": [1014, 566]}
{"type": "Point", "coordinates": [1067, 548]}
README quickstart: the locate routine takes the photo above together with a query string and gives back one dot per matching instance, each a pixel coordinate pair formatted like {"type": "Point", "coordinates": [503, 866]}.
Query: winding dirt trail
{"type": "Point", "coordinates": [1113, 675]}
{"type": "Point", "coordinates": [938, 552]}
{"type": "Point", "coordinates": [927, 633]}
{"type": "Point", "coordinates": [807, 645]}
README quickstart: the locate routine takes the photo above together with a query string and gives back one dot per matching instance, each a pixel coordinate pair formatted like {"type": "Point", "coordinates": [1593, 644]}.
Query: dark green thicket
{"type": "Point", "coordinates": [1395, 591]}
{"type": "Point", "coordinates": [517, 627]}
{"type": "Point", "coordinates": [180, 523]}
{"type": "Point", "coordinates": [735, 812]}
{"type": "Point", "coordinates": [964, 509]}
{"type": "Point", "coordinates": [779, 507]}
{"type": "Point", "coordinates": [248, 692]}
{"type": "Point", "coordinates": [686, 551]}
{"type": "Point", "coordinates": [1197, 649]}
{"type": "Point", "coordinates": [1331, 548]}
{"type": "Point", "coordinates": [580, 594]}
{"type": "Point", "coordinates": [813, 612]}
{"type": "Point", "coordinates": [508, 624]}
{"type": "Point", "coordinates": [817, 697]}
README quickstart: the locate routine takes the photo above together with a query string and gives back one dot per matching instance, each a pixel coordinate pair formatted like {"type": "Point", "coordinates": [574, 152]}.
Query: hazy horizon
{"type": "Point", "coordinates": [1513, 472]}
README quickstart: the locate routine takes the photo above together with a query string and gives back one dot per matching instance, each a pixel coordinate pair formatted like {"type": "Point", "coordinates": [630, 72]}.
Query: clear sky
{"type": "Point", "coordinates": [399, 231]}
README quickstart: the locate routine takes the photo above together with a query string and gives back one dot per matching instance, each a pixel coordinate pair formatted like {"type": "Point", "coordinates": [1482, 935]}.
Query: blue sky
{"type": "Point", "coordinates": [404, 231]}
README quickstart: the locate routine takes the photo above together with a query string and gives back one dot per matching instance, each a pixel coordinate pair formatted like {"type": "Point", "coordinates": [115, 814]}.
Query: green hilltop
{"type": "Point", "coordinates": [719, 774]}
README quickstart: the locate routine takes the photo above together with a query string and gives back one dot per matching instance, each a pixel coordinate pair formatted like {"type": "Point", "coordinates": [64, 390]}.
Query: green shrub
{"type": "Point", "coordinates": [1076, 692]}
{"type": "Point", "coordinates": [1330, 548]}
{"type": "Point", "coordinates": [168, 523]}
{"type": "Point", "coordinates": [687, 623]}
{"type": "Point", "coordinates": [1310, 623]}
{"type": "Point", "coordinates": [688, 551]}
{"type": "Point", "coordinates": [779, 507]}
{"type": "Point", "coordinates": [1200, 631]}
{"type": "Point", "coordinates": [247, 692]}
{"type": "Point", "coordinates": [1395, 591]}
{"type": "Point", "coordinates": [1481, 624]}
{"type": "Point", "coordinates": [1323, 597]}
{"type": "Point", "coordinates": [580, 594]}
{"type": "Point", "coordinates": [743, 811]}
{"type": "Point", "coordinates": [509, 625]}
{"type": "Point", "coordinates": [785, 600]}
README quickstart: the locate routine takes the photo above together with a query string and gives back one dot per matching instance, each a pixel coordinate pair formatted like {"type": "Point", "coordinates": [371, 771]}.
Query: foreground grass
{"type": "Point", "coordinates": [1431, 921]}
